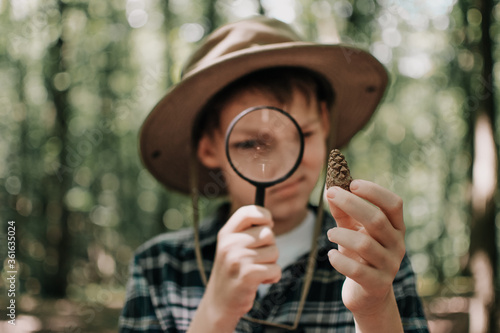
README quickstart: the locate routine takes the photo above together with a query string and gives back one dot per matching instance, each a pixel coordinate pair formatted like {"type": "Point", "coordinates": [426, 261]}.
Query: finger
{"type": "Point", "coordinates": [266, 273]}
{"type": "Point", "coordinates": [371, 217]}
{"type": "Point", "coordinates": [262, 255]}
{"type": "Point", "coordinates": [253, 237]}
{"type": "Point", "coordinates": [390, 203]}
{"type": "Point", "coordinates": [265, 255]}
{"type": "Point", "coordinates": [363, 246]}
{"type": "Point", "coordinates": [365, 275]}
{"type": "Point", "coordinates": [261, 236]}
{"type": "Point", "coordinates": [246, 217]}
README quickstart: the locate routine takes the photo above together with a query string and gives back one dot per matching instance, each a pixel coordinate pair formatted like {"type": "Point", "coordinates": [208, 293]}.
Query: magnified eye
{"type": "Point", "coordinates": [256, 145]}
{"type": "Point", "coordinates": [246, 145]}
{"type": "Point", "coordinates": [264, 145]}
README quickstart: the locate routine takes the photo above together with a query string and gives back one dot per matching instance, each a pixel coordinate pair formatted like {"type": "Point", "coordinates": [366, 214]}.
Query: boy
{"type": "Point", "coordinates": [285, 267]}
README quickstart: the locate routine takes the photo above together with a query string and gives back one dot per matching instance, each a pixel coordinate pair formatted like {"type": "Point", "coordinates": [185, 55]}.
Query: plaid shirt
{"type": "Point", "coordinates": [165, 288]}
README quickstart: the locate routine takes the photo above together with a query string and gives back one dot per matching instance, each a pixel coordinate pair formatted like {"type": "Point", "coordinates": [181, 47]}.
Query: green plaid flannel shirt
{"type": "Point", "coordinates": [165, 288]}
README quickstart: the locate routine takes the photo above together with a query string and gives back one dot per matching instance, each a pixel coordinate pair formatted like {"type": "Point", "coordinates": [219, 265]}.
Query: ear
{"type": "Point", "coordinates": [207, 153]}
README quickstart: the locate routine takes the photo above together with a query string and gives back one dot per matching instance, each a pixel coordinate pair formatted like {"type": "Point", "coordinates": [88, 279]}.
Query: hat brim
{"type": "Point", "coordinates": [358, 79]}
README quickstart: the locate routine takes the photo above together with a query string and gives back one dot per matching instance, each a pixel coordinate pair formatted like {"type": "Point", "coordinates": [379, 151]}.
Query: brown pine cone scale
{"type": "Point", "coordinates": [338, 173]}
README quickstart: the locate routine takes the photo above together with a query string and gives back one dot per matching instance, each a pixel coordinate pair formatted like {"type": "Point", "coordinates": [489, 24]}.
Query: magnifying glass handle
{"type": "Point", "coordinates": [259, 195]}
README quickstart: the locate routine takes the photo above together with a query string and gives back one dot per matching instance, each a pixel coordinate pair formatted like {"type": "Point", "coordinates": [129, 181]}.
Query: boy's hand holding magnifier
{"type": "Point", "coordinates": [264, 145]}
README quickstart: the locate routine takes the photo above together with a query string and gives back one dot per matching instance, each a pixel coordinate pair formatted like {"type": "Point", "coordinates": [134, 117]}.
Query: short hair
{"type": "Point", "coordinates": [276, 82]}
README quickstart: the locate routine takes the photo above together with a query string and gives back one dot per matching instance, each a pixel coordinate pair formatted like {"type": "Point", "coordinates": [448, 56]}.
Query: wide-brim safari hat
{"type": "Point", "coordinates": [232, 51]}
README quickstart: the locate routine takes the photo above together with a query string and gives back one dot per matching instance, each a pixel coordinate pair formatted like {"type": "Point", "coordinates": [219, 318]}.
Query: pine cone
{"type": "Point", "coordinates": [338, 173]}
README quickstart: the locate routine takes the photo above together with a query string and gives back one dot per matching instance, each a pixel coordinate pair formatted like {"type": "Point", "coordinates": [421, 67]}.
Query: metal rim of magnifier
{"type": "Point", "coordinates": [301, 150]}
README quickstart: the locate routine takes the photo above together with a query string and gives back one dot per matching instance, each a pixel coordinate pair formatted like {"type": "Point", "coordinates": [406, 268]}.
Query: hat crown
{"type": "Point", "coordinates": [238, 36]}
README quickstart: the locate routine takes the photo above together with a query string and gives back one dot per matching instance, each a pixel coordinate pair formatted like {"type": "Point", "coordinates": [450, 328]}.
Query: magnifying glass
{"type": "Point", "coordinates": [264, 146]}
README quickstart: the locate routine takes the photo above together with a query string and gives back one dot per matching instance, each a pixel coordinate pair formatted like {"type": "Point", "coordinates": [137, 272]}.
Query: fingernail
{"type": "Point", "coordinates": [329, 233]}
{"type": "Point", "coordinates": [330, 194]}
{"type": "Point", "coordinates": [354, 185]}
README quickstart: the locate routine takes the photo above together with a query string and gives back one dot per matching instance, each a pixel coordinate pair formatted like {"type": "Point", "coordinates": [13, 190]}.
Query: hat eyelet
{"type": "Point", "coordinates": [156, 154]}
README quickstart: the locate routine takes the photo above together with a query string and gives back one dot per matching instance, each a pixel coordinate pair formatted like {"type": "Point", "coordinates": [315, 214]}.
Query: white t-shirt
{"type": "Point", "coordinates": [293, 245]}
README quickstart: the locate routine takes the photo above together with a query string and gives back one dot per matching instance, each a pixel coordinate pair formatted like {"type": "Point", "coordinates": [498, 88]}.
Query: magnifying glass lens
{"type": "Point", "coordinates": [264, 145]}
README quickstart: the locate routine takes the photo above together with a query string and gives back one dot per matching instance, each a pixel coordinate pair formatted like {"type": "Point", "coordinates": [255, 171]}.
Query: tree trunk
{"type": "Point", "coordinates": [55, 283]}
{"type": "Point", "coordinates": [483, 250]}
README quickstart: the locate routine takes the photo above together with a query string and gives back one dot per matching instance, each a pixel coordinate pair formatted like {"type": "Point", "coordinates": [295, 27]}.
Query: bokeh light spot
{"type": "Point", "coordinates": [191, 32]}
{"type": "Point", "coordinates": [173, 219]}
{"type": "Point", "coordinates": [137, 18]}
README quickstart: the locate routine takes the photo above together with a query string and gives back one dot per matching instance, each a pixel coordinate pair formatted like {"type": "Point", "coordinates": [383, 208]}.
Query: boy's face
{"type": "Point", "coordinates": [286, 200]}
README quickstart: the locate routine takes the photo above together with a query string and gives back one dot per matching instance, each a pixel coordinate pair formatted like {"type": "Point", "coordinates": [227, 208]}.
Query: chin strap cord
{"type": "Point", "coordinates": [196, 216]}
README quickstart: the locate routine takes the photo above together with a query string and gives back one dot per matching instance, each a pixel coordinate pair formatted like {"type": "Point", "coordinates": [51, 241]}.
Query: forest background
{"type": "Point", "coordinates": [77, 78]}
